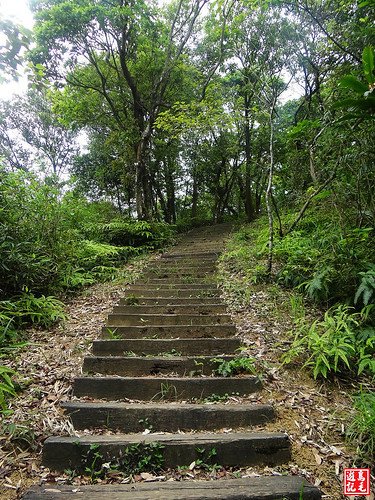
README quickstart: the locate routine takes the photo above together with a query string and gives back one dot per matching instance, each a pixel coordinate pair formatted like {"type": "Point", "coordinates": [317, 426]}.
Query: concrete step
{"type": "Point", "coordinates": [121, 319]}
{"type": "Point", "coordinates": [174, 271]}
{"type": "Point", "coordinates": [172, 286]}
{"type": "Point", "coordinates": [162, 291]}
{"type": "Point", "coordinates": [210, 280]}
{"type": "Point", "coordinates": [254, 488]}
{"type": "Point", "coordinates": [163, 388]}
{"type": "Point", "coordinates": [182, 263]}
{"type": "Point", "coordinates": [232, 449]}
{"type": "Point", "coordinates": [134, 366]}
{"type": "Point", "coordinates": [197, 309]}
{"type": "Point", "coordinates": [168, 331]}
{"type": "Point", "coordinates": [149, 299]}
{"type": "Point", "coordinates": [136, 417]}
{"type": "Point", "coordinates": [185, 347]}
{"type": "Point", "coordinates": [178, 254]}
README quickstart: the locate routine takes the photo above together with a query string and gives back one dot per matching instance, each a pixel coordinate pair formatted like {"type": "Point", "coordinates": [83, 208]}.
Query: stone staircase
{"type": "Point", "coordinates": [157, 349]}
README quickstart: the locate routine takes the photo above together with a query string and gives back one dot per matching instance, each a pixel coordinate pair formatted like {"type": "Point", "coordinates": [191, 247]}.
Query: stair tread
{"type": "Point", "coordinates": [254, 488]}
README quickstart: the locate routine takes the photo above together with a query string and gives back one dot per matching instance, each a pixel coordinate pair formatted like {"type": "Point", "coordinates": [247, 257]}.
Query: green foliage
{"type": "Point", "coordinates": [134, 459]}
{"type": "Point", "coordinates": [6, 387]}
{"type": "Point", "coordinates": [234, 367]}
{"type": "Point", "coordinates": [366, 289]}
{"type": "Point", "coordinates": [206, 459]}
{"type": "Point", "coordinates": [363, 105]}
{"type": "Point", "coordinates": [336, 344]}
{"type": "Point", "coordinates": [29, 309]}
{"type": "Point", "coordinates": [361, 431]}
{"type": "Point", "coordinates": [133, 234]}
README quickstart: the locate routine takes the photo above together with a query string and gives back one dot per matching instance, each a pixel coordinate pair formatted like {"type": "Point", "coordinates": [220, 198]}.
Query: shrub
{"type": "Point", "coordinates": [337, 344]}
{"type": "Point", "coordinates": [361, 431]}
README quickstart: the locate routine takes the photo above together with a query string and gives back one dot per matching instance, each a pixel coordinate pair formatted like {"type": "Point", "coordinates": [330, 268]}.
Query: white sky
{"type": "Point", "coordinates": [19, 12]}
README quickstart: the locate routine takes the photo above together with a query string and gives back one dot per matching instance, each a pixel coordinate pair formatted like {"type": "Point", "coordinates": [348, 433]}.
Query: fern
{"type": "Point", "coordinates": [366, 289]}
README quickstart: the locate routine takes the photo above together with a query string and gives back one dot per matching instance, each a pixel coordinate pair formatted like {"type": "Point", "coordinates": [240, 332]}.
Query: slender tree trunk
{"type": "Point", "coordinates": [249, 204]}
{"type": "Point", "coordinates": [269, 193]}
{"type": "Point", "coordinates": [194, 201]}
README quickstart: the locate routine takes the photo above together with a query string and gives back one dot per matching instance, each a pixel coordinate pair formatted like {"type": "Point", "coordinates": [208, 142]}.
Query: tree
{"type": "Point", "coordinates": [31, 137]}
{"type": "Point", "coordinates": [132, 54]}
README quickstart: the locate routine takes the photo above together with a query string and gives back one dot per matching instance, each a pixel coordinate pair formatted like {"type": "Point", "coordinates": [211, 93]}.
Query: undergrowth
{"type": "Point", "coordinates": [361, 431]}
{"type": "Point", "coordinates": [330, 269]}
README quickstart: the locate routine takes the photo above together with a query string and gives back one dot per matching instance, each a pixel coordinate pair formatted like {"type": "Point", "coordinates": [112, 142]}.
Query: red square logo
{"type": "Point", "coordinates": [356, 482]}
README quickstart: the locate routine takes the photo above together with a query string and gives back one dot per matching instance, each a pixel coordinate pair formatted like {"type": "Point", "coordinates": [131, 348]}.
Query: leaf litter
{"type": "Point", "coordinates": [313, 415]}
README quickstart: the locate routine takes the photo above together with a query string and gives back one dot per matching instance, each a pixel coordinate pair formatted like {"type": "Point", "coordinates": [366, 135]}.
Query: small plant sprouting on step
{"type": "Point", "coordinates": [141, 457]}
{"type": "Point", "coordinates": [112, 334]}
{"type": "Point", "coordinates": [233, 367]}
{"type": "Point", "coordinates": [93, 463]}
{"type": "Point", "coordinates": [171, 353]}
{"type": "Point", "coordinates": [206, 460]}
{"type": "Point", "coordinates": [133, 459]}
{"type": "Point", "coordinates": [131, 300]}
{"type": "Point", "coordinates": [215, 398]}
{"type": "Point", "coordinates": [167, 392]}
{"type": "Point", "coordinates": [130, 354]}
{"type": "Point", "coordinates": [146, 424]}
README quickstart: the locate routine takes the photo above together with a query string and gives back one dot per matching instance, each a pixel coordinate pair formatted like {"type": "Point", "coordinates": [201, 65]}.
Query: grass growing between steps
{"type": "Point", "coordinates": [318, 414]}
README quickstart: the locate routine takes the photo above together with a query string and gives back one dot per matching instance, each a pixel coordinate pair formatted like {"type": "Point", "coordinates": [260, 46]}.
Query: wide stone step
{"type": "Point", "coordinates": [148, 299]}
{"type": "Point", "coordinates": [121, 319]}
{"type": "Point", "coordinates": [177, 292]}
{"type": "Point", "coordinates": [182, 263]}
{"type": "Point", "coordinates": [185, 347]}
{"type": "Point", "coordinates": [172, 286]}
{"type": "Point", "coordinates": [163, 388]}
{"type": "Point", "coordinates": [191, 255]}
{"type": "Point", "coordinates": [201, 309]}
{"type": "Point", "coordinates": [135, 366]}
{"type": "Point", "coordinates": [232, 449]}
{"type": "Point", "coordinates": [136, 417]}
{"type": "Point", "coordinates": [254, 488]}
{"type": "Point", "coordinates": [168, 331]}
{"type": "Point", "coordinates": [196, 280]}
{"type": "Point", "coordinates": [174, 271]}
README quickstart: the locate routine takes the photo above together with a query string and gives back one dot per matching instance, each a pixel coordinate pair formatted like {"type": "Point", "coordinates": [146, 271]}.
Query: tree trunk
{"type": "Point", "coordinates": [249, 204]}
{"type": "Point", "coordinates": [194, 201]}
{"type": "Point", "coordinates": [269, 194]}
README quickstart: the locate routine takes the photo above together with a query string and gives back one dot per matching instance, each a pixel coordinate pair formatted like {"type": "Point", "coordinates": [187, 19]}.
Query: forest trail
{"type": "Point", "coordinates": [150, 380]}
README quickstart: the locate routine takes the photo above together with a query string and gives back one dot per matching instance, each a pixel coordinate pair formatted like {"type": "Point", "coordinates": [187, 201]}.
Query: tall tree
{"type": "Point", "coordinates": [132, 54]}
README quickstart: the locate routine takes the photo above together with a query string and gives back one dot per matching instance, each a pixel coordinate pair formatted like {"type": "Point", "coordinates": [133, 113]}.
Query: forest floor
{"type": "Point", "coordinates": [314, 415]}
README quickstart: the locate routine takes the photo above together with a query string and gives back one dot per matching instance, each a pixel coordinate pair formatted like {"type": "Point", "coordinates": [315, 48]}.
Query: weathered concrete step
{"type": "Point", "coordinates": [182, 263]}
{"type": "Point", "coordinates": [189, 255]}
{"type": "Point", "coordinates": [232, 449]}
{"type": "Point", "coordinates": [172, 286]}
{"type": "Point", "coordinates": [135, 366]}
{"type": "Point", "coordinates": [210, 280]}
{"type": "Point", "coordinates": [145, 291]}
{"type": "Point", "coordinates": [178, 275]}
{"type": "Point", "coordinates": [254, 488]}
{"type": "Point", "coordinates": [201, 309]}
{"type": "Point", "coordinates": [173, 270]}
{"type": "Point", "coordinates": [149, 299]}
{"type": "Point", "coordinates": [169, 331]}
{"type": "Point", "coordinates": [136, 417]}
{"type": "Point", "coordinates": [163, 388]}
{"type": "Point", "coordinates": [121, 319]}
{"type": "Point", "coordinates": [186, 347]}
